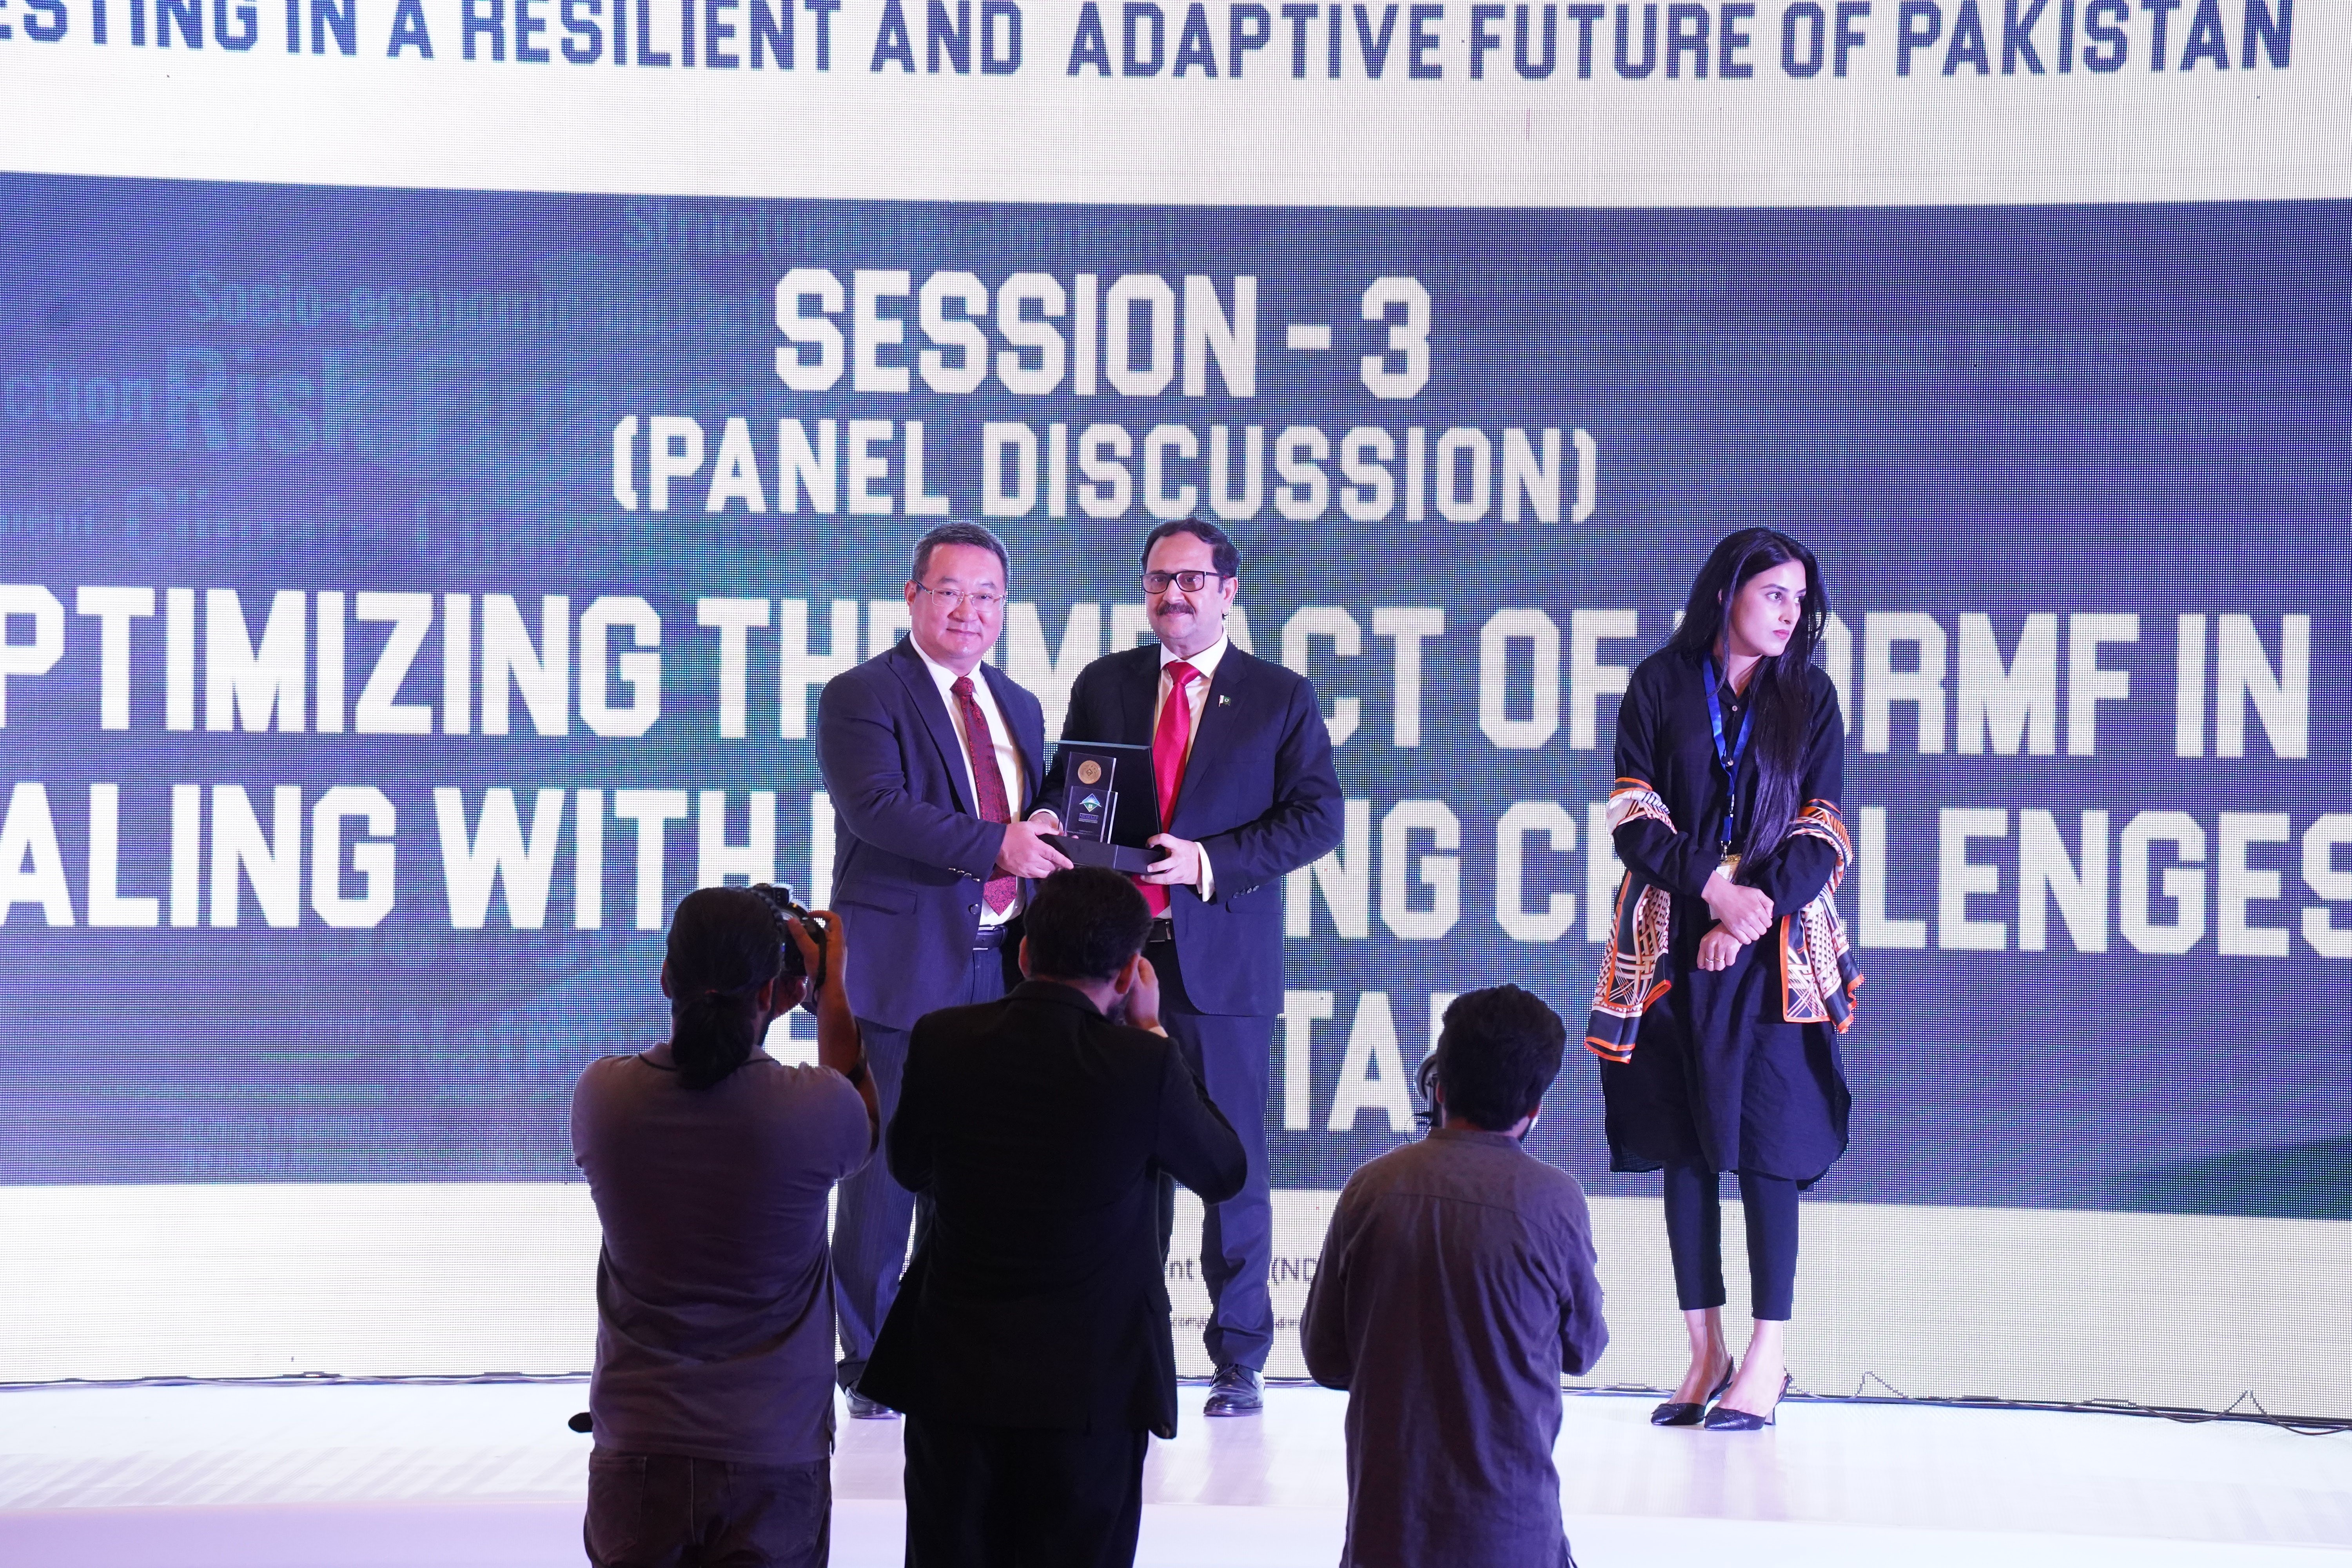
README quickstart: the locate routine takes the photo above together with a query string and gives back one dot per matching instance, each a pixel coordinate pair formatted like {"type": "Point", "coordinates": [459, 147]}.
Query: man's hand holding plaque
{"type": "Point", "coordinates": [1025, 851]}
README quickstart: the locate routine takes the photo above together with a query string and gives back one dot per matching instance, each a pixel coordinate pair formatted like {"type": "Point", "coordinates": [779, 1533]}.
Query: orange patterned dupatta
{"type": "Point", "coordinates": [1819, 975]}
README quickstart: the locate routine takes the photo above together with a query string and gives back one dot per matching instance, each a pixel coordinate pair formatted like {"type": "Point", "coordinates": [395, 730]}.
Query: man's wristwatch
{"type": "Point", "coordinates": [857, 1073]}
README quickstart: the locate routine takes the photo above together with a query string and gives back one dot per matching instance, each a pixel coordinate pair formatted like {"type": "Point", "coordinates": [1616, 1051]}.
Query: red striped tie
{"type": "Point", "coordinates": [1170, 740]}
{"type": "Point", "coordinates": [987, 781]}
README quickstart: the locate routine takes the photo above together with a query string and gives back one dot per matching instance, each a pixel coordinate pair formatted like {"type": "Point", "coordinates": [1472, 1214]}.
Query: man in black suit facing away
{"type": "Point", "coordinates": [1040, 1126]}
{"type": "Point", "coordinates": [927, 753]}
{"type": "Point", "coordinates": [1242, 767]}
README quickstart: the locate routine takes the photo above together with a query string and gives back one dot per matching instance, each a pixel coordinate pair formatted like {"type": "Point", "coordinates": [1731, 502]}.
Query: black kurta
{"type": "Point", "coordinates": [1718, 1075]}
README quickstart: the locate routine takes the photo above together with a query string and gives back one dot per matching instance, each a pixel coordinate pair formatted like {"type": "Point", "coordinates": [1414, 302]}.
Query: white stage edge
{"type": "Point", "coordinates": [406, 1279]}
{"type": "Point", "coordinates": [487, 1477]}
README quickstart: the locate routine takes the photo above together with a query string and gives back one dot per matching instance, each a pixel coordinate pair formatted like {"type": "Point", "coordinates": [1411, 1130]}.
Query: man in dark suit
{"type": "Point", "coordinates": [926, 751]}
{"type": "Point", "coordinates": [1039, 1126]}
{"type": "Point", "coordinates": [1242, 769]}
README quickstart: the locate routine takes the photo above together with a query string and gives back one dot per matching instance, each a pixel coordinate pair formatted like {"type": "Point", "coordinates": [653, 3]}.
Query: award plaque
{"type": "Point", "coordinates": [1105, 805]}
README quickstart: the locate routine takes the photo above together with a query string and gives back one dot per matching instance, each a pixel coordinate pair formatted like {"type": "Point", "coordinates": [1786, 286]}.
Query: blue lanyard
{"type": "Point", "coordinates": [1730, 760]}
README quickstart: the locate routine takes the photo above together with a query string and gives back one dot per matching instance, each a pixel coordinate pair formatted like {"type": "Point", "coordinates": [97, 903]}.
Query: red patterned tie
{"type": "Point", "coordinates": [987, 781]}
{"type": "Point", "coordinates": [1170, 740]}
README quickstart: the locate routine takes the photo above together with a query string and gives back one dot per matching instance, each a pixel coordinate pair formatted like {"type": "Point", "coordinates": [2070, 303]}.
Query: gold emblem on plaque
{"type": "Point", "coordinates": [1089, 772]}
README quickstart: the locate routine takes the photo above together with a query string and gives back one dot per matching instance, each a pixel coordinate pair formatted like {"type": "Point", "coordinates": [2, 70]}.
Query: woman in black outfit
{"type": "Point", "coordinates": [1727, 977]}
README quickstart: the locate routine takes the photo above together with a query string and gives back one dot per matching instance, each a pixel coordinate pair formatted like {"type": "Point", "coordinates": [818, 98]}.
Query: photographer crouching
{"type": "Point", "coordinates": [710, 1162]}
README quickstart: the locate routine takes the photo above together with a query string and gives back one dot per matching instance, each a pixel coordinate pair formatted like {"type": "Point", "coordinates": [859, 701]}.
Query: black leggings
{"type": "Point", "coordinates": [1694, 1236]}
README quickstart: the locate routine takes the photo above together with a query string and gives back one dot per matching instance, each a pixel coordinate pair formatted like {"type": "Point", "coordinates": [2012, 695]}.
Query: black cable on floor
{"type": "Point", "coordinates": [2302, 1425]}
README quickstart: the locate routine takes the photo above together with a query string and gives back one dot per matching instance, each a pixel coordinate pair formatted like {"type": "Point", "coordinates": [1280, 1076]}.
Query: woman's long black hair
{"type": "Point", "coordinates": [724, 944]}
{"type": "Point", "coordinates": [1779, 689]}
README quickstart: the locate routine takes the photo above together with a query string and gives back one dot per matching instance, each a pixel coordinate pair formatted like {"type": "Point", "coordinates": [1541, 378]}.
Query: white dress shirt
{"type": "Point", "coordinates": [1008, 753]}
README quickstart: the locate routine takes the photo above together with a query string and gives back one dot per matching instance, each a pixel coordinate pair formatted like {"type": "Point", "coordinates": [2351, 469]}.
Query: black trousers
{"type": "Point", "coordinates": [872, 1213]}
{"type": "Point", "coordinates": [1011, 1497]}
{"type": "Point", "coordinates": [1694, 1236]}
{"type": "Point", "coordinates": [1233, 1056]}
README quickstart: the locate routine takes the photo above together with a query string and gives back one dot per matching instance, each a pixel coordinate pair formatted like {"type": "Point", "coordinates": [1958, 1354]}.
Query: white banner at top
{"type": "Point", "coordinates": [1423, 103]}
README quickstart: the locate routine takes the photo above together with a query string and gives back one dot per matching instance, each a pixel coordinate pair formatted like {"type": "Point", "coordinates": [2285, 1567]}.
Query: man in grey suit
{"type": "Point", "coordinates": [927, 752]}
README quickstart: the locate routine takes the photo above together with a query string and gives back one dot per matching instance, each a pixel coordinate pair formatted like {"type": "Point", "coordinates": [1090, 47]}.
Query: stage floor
{"type": "Point", "coordinates": [485, 1475]}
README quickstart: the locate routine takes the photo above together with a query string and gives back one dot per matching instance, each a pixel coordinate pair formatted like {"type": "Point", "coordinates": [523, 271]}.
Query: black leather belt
{"type": "Point", "coordinates": [1163, 929]}
{"type": "Point", "coordinates": [988, 939]}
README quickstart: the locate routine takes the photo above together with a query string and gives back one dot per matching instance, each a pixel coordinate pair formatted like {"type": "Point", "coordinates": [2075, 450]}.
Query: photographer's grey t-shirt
{"type": "Point", "coordinates": [714, 1290]}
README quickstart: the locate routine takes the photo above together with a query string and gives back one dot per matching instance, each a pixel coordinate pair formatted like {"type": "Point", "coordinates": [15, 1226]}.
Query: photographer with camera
{"type": "Point", "coordinates": [1041, 1124]}
{"type": "Point", "coordinates": [710, 1163]}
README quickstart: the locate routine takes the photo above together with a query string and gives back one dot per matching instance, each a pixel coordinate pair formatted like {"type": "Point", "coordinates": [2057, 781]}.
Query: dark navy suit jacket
{"type": "Point", "coordinates": [911, 851]}
{"type": "Point", "coordinates": [1259, 793]}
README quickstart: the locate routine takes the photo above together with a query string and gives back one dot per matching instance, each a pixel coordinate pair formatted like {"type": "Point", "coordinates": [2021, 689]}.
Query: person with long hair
{"type": "Point", "coordinates": [1727, 977]}
{"type": "Point", "coordinates": [709, 1163]}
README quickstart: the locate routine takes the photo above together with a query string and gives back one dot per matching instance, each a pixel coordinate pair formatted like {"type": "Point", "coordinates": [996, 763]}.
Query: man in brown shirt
{"type": "Point", "coordinates": [1456, 1286]}
{"type": "Point", "coordinates": [709, 1163]}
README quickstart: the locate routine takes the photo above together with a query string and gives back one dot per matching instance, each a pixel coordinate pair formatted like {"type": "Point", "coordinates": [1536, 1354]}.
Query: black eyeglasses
{"type": "Point", "coordinates": [1191, 581]}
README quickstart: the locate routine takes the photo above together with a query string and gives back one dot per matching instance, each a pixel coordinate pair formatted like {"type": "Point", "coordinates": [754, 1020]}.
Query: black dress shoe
{"type": "Point", "coordinates": [1679, 1413]}
{"type": "Point", "coordinates": [864, 1409]}
{"type": "Point", "coordinates": [1723, 1419]}
{"type": "Point", "coordinates": [1235, 1391]}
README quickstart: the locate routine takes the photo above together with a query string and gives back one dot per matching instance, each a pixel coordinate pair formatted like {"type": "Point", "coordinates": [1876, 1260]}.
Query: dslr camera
{"type": "Point", "coordinates": [781, 902]}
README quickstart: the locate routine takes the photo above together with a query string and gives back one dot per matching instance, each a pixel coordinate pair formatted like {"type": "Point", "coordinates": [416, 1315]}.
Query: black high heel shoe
{"type": "Point", "coordinates": [1678, 1412]}
{"type": "Point", "coordinates": [1723, 1419]}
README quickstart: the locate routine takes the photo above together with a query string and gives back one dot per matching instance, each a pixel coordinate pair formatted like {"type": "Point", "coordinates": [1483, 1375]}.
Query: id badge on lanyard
{"type": "Point", "coordinates": [1728, 758]}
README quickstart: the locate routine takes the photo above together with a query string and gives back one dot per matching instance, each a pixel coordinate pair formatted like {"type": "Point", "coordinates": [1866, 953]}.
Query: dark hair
{"type": "Point", "coordinates": [1223, 553]}
{"type": "Point", "coordinates": [1084, 923]}
{"type": "Point", "coordinates": [724, 943]}
{"type": "Point", "coordinates": [958, 533]}
{"type": "Point", "coordinates": [1783, 706]}
{"type": "Point", "coordinates": [1497, 1052]}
